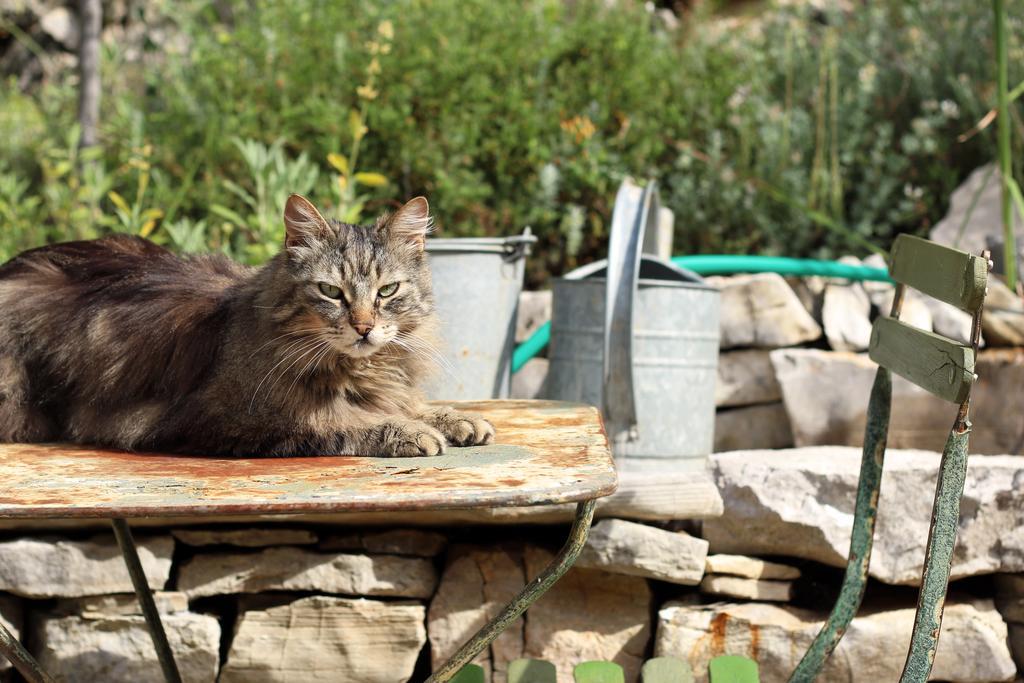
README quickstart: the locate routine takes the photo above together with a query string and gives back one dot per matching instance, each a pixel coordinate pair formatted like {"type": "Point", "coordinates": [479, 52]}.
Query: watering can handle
{"type": "Point", "coordinates": [636, 210]}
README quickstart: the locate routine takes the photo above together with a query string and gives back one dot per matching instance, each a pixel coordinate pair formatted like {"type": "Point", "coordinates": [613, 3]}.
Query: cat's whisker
{"type": "Point", "coordinates": [277, 365]}
{"type": "Point", "coordinates": [282, 336]}
{"type": "Point", "coordinates": [323, 348]}
{"type": "Point", "coordinates": [305, 352]}
{"type": "Point", "coordinates": [418, 345]}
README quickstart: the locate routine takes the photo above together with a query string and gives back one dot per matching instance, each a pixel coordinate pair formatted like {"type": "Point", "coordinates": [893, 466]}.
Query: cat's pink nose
{"type": "Point", "coordinates": [362, 329]}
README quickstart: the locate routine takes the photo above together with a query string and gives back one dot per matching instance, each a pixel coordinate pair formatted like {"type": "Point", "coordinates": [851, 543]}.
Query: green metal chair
{"type": "Point", "coordinates": [945, 368]}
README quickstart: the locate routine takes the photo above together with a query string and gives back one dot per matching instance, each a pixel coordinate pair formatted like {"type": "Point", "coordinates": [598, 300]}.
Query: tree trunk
{"type": "Point", "coordinates": [91, 16]}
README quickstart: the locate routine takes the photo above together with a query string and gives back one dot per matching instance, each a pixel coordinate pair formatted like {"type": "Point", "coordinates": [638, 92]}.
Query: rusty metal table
{"type": "Point", "coordinates": [546, 452]}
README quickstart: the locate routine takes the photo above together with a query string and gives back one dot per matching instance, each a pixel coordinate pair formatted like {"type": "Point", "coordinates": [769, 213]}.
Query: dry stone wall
{"type": "Point", "coordinates": [750, 583]}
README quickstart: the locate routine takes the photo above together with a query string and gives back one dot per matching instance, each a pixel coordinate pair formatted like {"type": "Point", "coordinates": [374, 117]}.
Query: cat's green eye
{"type": "Point", "coordinates": [388, 290]}
{"type": "Point", "coordinates": [330, 290]}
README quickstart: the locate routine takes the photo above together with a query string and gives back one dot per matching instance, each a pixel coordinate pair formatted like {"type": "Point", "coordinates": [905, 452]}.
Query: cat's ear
{"type": "Point", "coordinates": [411, 223]}
{"type": "Point", "coordinates": [303, 223]}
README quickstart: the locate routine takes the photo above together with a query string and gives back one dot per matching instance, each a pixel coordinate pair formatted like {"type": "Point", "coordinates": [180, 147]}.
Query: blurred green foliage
{"type": "Point", "coordinates": [513, 114]}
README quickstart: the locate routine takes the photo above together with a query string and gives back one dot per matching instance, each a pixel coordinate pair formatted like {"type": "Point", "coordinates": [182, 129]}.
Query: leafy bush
{"type": "Point", "coordinates": [762, 131]}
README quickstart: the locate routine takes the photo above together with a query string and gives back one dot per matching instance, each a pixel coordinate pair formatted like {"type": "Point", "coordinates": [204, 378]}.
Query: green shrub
{"type": "Point", "coordinates": [515, 114]}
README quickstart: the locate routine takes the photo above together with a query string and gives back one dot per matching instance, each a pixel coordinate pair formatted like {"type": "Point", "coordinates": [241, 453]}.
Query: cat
{"type": "Point", "coordinates": [118, 342]}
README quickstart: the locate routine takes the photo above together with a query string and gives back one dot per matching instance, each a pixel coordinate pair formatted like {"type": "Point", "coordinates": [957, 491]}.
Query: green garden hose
{"type": "Point", "coordinates": [723, 264]}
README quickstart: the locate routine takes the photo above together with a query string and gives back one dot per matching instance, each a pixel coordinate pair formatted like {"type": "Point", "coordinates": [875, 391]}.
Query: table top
{"type": "Point", "coordinates": [545, 452]}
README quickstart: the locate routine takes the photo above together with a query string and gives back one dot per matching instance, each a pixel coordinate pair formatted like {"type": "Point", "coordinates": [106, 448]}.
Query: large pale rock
{"type": "Point", "coordinates": [253, 537]}
{"type": "Point", "coordinates": [800, 503]}
{"type": "Point", "coordinates": [764, 590]}
{"type": "Point", "coordinates": [120, 605]}
{"type": "Point", "coordinates": [950, 321]}
{"type": "Point", "coordinates": [763, 311]}
{"type": "Point", "coordinates": [1003, 317]}
{"type": "Point", "coordinates": [321, 638]}
{"type": "Point", "coordinates": [996, 414]}
{"type": "Point", "coordinates": [972, 647]}
{"type": "Point", "coordinates": [845, 313]}
{"type": "Point", "coordinates": [49, 567]}
{"type": "Point", "coordinates": [749, 567]}
{"type": "Point", "coordinates": [534, 310]}
{"type": "Point", "coordinates": [763, 426]}
{"type": "Point", "coordinates": [61, 24]}
{"type": "Point", "coordinates": [120, 649]}
{"type": "Point", "coordinates": [414, 542]}
{"type": "Point", "coordinates": [826, 397]}
{"type": "Point", "coordinates": [622, 547]}
{"type": "Point", "coordinates": [746, 378]}
{"type": "Point", "coordinates": [11, 618]}
{"type": "Point", "coordinates": [294, 569]}
{"type": "Point", "coordinates": [985, 226]}
{"type": "Point", "coordinates": [916, 310]}
{"type": "Point", "coordinates": [588, 614]}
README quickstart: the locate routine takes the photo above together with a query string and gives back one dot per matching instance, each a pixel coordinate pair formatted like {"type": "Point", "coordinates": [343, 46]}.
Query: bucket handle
{"type": "Point", "coordinates": [517, 247]}
{"type": "Point", "coordinates": [636, 210]}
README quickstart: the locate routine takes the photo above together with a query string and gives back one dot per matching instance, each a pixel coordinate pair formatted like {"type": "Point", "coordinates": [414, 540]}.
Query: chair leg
{"type": "Point", "coordinates": [145, 596]}
{"type": "Point", "coordinates": [529, 595]}
{"type": "Point", "coordinates": [876, 433]}
{"type": "Point", "coordinates": [938, 559]}
{"type": "Point", "coordinates": [25, 663]}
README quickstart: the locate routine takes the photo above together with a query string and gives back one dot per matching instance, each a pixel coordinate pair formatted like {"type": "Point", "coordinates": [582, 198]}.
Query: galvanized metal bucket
{"type": "Point", "coordinates": [638, 337]}
{"type": "Point", "coordinates": [476, 288]}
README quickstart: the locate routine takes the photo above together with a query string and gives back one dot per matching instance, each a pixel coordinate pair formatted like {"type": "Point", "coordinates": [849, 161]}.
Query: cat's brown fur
{"type": "Point", "coordinates": [119, 342]}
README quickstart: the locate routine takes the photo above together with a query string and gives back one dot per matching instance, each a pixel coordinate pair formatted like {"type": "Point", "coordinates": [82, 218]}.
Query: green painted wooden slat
{"type": "Point", "coordinates": [942, 366]}
{"type": "Point", "coordinates": [666, 670]}
{"type": "Point", "coordinates": [471, 673]}
{"type": "Point", "coordinates": [733, 669]}
{"type": "Point", "coordinates": [950, 275]}
{"type": "Point", "coordinates": [598, 672]}
{"type": "Point", "coordinates": [532, 671]}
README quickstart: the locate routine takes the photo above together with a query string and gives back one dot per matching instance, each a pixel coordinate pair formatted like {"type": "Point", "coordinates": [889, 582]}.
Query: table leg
{"type": "Point", "coordinates": [855, 581]}
{"type": "Point", "coordinates": [25, 663]}
{"type": "Point", "coordinates": [156, 627]}
{"type": "Point", "coordinates": [529, 595]}
{"type": "Point", "coordinates": [938, 559]}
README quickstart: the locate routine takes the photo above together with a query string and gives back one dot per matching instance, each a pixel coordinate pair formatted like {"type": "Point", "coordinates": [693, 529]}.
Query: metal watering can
{"type": "Point", "coordinates": [638, 337]}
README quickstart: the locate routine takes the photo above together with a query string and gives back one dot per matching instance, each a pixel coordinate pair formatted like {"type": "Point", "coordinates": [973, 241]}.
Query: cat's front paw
{"type": "Point", "coordinates": [412, 439]}
{"type": "Point", "coordinates": [464, 429]}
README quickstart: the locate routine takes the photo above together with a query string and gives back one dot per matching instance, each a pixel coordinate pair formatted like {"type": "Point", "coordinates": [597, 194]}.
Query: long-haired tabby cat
{"type": "Point", "coordinates": [118, 342]}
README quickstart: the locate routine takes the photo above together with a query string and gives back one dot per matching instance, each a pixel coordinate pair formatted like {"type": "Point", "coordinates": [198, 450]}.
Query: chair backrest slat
{"type": "Point", "coordinates": [598, 672]}
{"type": "Point", "coordinates": [733, 669]}
{"type": "Point", "coordinates": [532, 671]}
{"type": "Point", "coordinates": [471, 673]}
{"type": "Point", "coordinates": [666, 670]}
{"type": "Point", "coordinates": [940, 365]}
{"type": "Point", "coordinates": [950, 275]}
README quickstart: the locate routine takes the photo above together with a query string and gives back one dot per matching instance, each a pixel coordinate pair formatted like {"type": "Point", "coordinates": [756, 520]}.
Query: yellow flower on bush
{"type": "Point", "coordinates": [386, 29]}
{"type": "Point", "coordinates": [580, 127]}
{"type": "Point", "coordinates": [367, 92]}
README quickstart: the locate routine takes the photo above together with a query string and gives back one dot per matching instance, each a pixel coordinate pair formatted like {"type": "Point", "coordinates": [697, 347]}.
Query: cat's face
{"type": "Point", "coordinates": [358, 289]}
